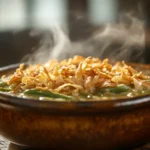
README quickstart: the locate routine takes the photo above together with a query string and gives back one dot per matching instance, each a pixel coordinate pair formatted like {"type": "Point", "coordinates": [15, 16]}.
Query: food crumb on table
{"type": "Point", "coordinates": [3, 144]}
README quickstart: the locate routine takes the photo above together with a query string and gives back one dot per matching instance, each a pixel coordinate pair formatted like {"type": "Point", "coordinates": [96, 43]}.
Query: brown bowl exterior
{"type": "Point", "coordinates": [97, 131]}
{"type": "Point", "coordinates": [75, 125]}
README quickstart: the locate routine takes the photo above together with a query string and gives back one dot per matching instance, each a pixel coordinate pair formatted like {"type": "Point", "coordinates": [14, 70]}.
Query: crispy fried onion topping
{"type": "Point", "coordinates": [75, 75]}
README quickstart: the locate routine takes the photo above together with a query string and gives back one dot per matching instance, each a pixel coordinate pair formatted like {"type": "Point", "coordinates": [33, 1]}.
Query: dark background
{"type": "Point", "coordinates": [15, 44]}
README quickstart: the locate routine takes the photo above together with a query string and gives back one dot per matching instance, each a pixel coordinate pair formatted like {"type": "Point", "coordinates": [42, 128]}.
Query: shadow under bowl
{"type": "Point", "coordinates": [110, 124]}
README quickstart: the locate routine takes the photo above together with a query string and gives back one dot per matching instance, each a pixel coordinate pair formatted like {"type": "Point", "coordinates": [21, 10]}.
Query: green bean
{"type": "Point", "coordinates": [3, 84]}
{"type": "Point", "coordinates": [116, 90]}
{"type": "Point", "coordinates": [5, 89]}
{"type": "Point", "coordinates": [46, 94]}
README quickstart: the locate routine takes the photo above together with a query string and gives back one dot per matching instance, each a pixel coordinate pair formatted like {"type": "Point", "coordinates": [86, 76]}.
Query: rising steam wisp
{"type": "Point", "coordinates": [124, 40]}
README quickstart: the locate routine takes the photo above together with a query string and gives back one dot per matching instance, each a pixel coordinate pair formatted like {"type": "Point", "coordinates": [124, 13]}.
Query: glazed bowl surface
{"type": "Point", "coordinates": [110, 124]}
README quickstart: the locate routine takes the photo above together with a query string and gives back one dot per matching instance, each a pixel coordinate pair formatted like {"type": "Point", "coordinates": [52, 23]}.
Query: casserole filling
{"type": "Point", "coordinates": [77, 78]}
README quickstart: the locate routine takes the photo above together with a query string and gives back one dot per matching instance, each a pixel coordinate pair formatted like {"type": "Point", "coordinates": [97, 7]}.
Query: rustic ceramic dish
{"type": "Point", "coordinates": [75, 125]}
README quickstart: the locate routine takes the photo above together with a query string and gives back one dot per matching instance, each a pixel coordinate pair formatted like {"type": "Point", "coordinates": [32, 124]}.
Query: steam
{"type": "Point", "coordinates": [52, 44]}
{"type": "Point", "coordinates": [124, 40]}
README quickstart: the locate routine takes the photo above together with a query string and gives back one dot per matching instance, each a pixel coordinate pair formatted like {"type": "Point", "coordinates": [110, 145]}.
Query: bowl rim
{"type": "Point", "coordinates": [77, 107]}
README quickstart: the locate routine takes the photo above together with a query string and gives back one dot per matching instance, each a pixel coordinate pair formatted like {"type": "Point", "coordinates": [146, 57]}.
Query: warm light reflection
{"type": "Point", "coordinates": [49, 12]}
{"type": "Point", "coordinates": [102, 11]}
{"type": "Point", "coordinates": [12, 14]}
{"type": "Point", "coordinates": [19, 14]}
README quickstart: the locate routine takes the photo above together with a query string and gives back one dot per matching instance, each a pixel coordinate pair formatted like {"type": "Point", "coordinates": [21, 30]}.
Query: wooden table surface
{"type": "Point", "coordinates": [5, 145]}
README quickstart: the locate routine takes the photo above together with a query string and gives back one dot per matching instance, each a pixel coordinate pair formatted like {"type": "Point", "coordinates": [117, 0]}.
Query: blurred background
{"type": "Point", "coordinates": [78, 18]}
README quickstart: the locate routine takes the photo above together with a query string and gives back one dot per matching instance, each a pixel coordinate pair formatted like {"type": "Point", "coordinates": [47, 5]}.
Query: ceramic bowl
{"type": "Point", "coordinates": [110, 124]}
